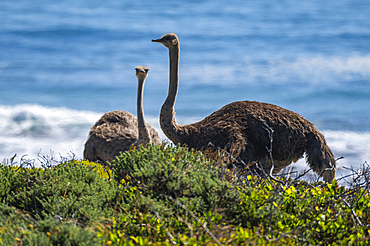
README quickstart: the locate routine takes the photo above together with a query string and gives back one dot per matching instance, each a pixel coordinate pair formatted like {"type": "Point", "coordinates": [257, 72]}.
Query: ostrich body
{"type": "Point", "coordinates": [116, 131]}
{"type": "Point", "coordinates": [245, 126]}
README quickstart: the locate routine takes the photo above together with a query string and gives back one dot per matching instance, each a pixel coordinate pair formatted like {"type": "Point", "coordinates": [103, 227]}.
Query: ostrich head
{"type": "Point", "coordinates": [169, 40]}
{"type": "Point", "coordinates": [141, 72]}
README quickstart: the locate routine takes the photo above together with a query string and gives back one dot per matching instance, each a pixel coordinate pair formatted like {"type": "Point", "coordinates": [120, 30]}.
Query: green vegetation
{"type": "Point", "coordinates": [173, 196]}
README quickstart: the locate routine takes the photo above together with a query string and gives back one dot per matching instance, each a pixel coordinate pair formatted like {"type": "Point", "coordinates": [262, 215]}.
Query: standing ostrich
{"type": "Point", "coordinates": [117, 130]}
{"type": "Point", "coordinates": [247, 126]}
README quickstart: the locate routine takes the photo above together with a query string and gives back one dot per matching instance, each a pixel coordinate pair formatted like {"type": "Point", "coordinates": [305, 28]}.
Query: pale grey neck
{"type": "Point", "coordinates": [167, 116]}
{"type": "Point", "coordinates": [144, 137]}
{"type": "Point", "coordinates": [174, 76]}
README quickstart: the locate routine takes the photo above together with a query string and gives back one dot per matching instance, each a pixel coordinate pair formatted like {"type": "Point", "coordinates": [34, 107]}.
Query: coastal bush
{"type": "Point", "coordinates": [70, 191]}
{"type": "Point", "coordinates": [274, 214]}
{"type": "Point", "coordinates": [163, 175]}
{"type": "Point", "coordinates": [163, 196]}
{"type": "Point", "coordinates": [17, 228]}
{"type": "Point", "coordinates": [312, 214]}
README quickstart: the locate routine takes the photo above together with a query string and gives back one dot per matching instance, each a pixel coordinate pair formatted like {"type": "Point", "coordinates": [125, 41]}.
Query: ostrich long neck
{"type": "Point", "coordinates": [144, 138]}
{"type": "Point", "coordinates": [167, 117]}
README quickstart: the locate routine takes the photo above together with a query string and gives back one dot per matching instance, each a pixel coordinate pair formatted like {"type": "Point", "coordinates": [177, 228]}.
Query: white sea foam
{"type": "Point", "coordinates": [35, 131]}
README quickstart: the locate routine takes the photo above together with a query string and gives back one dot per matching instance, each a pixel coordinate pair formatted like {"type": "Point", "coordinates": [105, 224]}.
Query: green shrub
{"type": "Point", "coordinates": [70, 191]}
{"type": "Point", "coordinates": [18, 228]}
{"type": "Point", "coordinates": [312, 214]}
{"type": "Point", "coordinates": [158, 196]}
{"type": "Point", "coordinates": [160, 174]}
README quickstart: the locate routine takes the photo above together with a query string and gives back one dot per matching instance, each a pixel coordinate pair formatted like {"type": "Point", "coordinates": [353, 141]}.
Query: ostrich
{"type": "Point", "coordinates": [249, 127]}
{"type": "Point", "coordinates": [117, 130]}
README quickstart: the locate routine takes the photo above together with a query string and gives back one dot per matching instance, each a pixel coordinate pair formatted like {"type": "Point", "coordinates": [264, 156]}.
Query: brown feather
{"type": "Point", "coordinates": [244, 126]}
{"type": "Point", "coordinates": [117, 131]}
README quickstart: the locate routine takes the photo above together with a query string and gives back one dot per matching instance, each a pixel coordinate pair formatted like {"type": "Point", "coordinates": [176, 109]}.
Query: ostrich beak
{"type": "Point", "coordinates": [157, 40]}
{"type": "Point", "coordinates": [141, 70]}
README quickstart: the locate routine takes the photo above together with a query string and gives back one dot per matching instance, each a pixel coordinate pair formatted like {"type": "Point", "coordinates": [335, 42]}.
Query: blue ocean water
{"type": "Point", "coordinates": [63, 64]}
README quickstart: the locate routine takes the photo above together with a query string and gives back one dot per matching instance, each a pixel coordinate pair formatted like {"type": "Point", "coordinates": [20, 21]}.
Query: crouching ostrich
{"type": "Point", "coordinates": [116, 131]}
